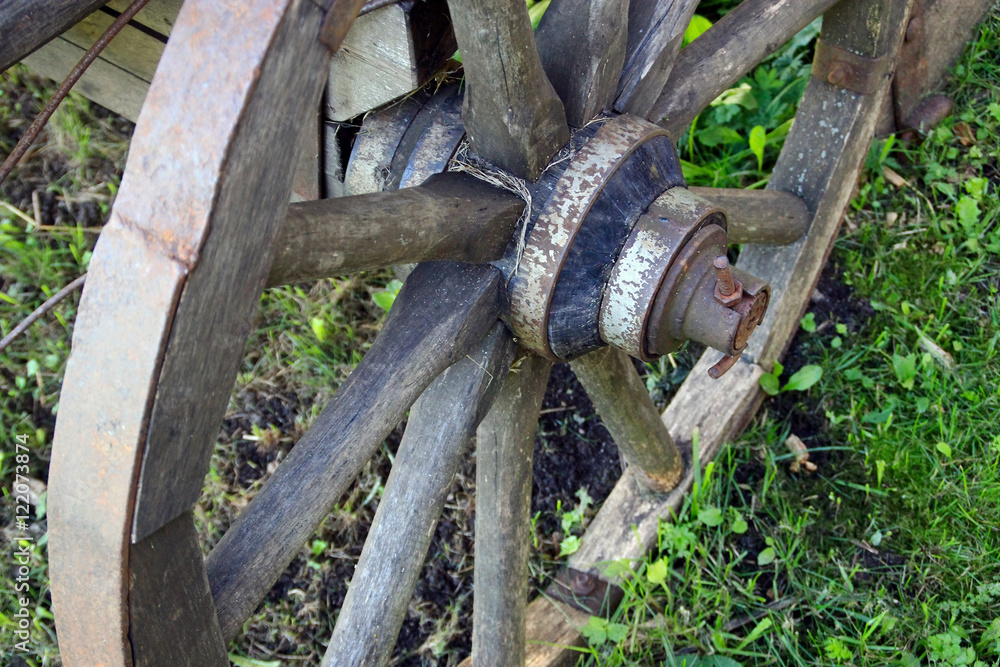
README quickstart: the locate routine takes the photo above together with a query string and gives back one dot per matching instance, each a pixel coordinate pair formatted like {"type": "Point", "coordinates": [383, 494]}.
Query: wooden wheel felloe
{"type": "Point", "coordinates": [198, 221]}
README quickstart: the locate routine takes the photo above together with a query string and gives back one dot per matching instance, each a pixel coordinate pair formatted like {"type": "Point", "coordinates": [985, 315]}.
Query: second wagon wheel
{"type": "Point", "coordinates": [615, 250]}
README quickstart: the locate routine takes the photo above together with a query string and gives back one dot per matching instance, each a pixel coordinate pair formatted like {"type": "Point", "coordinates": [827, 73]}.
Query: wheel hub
{"type": "Point", "coordinates": [615, 251]}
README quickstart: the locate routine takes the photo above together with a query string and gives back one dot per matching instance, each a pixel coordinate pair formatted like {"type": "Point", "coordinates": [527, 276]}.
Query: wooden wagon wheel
{"type": "Point", "coordinates": [198, 220]}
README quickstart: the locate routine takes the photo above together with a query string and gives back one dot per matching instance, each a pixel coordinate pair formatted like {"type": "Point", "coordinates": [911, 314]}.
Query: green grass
{"type": "Point", "coordinates": [890, 552]}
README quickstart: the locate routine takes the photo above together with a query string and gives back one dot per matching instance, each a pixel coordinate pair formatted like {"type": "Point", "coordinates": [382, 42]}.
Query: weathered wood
{"type": "Point", "coordinates": [436, 145]}
{"type": "Point", "coordinates": [153, 254]}
{"type": "Point", "coordinates": [513, 116]}
{"type": "Point", "coordinates": [552, 627]}
{"type": "Point", "coordinates": [627, 411]}
{"type": "Point", "coordinates": [158, 16]}
{"type": "Point", "coordinates": [172, 617]}
{"type": "Point", "coordinates": [725, 52]}
{"type": "Point", "coordinates": [375, 146]}
{"type": "Point", "coordinates": [581, 44]}
{"type": "Point", "coordinates": [769, 217]}
{"type": "Point", "coordinates": [308, 171]}
{"type": "Point", "coordinates": [505, 445]}
{"type": "Point", "coordinates": [936, 34]}
{"type": "Point", "coordinates": [104, 83]}
{"type": "Point", "coordinates": [28, 24]}
{"type": "Point", "coordinates": [451, 216]}
{"type": "Point", "coordinates": [441, 426]}
{"type": "Point", "coordinates": [388, 53]}
{"type": "Point", "coordinates": [655, 32]}
{"type": "Point", "coordinates": [442, 312]}
{"type": "Point", "coordinates": [819, 164]}
{"type": "Point", "coordinates": [332, 176]}
{"type": "Point", "coordinates": [203, 357]}
{"type": "Point", "coordinates": [120, 77]}
{"type": "Point", "coordinates": [627, 525]}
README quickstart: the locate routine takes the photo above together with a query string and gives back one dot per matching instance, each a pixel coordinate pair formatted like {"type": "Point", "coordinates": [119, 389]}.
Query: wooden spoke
{"type": "Point", "coordinates": [451, 216]}
{"type": "Point", "coordinates": [513, 116]}
{"type": "Point", "coordinates": [728, 50]}
{"type": "Point", "coordinates": [168, 574]}
{"type": "Point", "coordinates": [25, 26]}
{"type": "Point", "coordinates": [717, 410]}
{"type": "Point", "coordinates": [441, 426]}
{"type": "Point", "coordinates": [582, 47]}
{"type": "Point", "coordinates": [769, 217]}
{"type": "Point", "coordinates": [440, 315]}
{"type": "Point", "coordinates": [655, 31]}
{"type": "Point", "coordinates": [627, 411]}
{"type": "Point", "coordinates": [154, 355]}
{"type": "Point", "coordinates": [505, 444]}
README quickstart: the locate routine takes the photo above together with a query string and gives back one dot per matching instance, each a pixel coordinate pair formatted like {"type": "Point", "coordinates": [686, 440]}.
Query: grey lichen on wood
{"type": "Point", "coordinates": [512, 114]}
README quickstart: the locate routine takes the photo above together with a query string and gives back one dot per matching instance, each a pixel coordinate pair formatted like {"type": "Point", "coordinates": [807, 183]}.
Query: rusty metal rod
{"type": "Point", "coordinates": [89, 57]}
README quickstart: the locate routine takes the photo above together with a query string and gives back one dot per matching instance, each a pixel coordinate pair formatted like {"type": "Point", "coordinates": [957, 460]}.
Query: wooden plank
{"type": "Point", "coordinates": [153, 254]}
{"type": "Point", "coordinates": [728, 50]}
{"type": "Point", "coordinates": [513, 116]}
{"type": "Point", "coordinates": [308, 172]}
{"type": "Point", "coordinates": [119, 78]}
{"type": "Point", "coordinates": [388, 53]}
{"type": "Point", "coordinates": [28, 24]}
{"type": "Point", "coordinates": [440, 428]}
{"type": "Point", "coordinates": [581, 44]}
{"type": "Point", "coordinates": [627, 411]}
{"type": "Point", "coordinates": [505, 444]}
{"type": "Point", "coordinates": [451, 216]}
{"type": "Point", "coordinates": [819, 164]}
{"type": "Point", "coordinates": [172, 617]}
{"type": "Point", "coordinates": [440, 315]}
{"type": "Point", "coordinates": [107, 84]}
{"type": "Point", "coordinates": [132, 49]}
{"type": "Point", "coordinates": [159, 15]}
{"type": "Point", "coordinates": [655, 31]}
{"type": "Point", "coordinates": [769, 217]}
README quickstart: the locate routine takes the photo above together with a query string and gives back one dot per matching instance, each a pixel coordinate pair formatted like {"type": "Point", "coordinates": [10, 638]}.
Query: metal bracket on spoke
{"type": "Point", "coordinates": [847, 69]}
